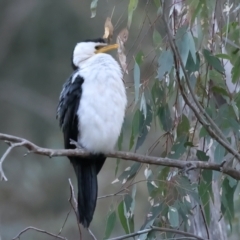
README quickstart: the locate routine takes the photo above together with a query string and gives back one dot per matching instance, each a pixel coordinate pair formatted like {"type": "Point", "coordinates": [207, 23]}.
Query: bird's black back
{"type": "Point", "coordinates": [85, 168]}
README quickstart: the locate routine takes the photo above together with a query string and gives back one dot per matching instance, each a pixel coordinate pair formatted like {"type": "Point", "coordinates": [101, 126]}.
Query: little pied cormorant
{"type": "Point", "coordinates": [91, 111]}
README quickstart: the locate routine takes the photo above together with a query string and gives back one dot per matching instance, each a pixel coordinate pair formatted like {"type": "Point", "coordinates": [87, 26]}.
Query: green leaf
{"type": "Point", "coordinates": [197, 10]}
{"type": "Point", "coordinates": [173, 217]}
{"type": "Point", "coordinates": [128, 173]}
{"type": "Point", "coordinates": [223, 56]}
{"type": "Point", "coordinates": [136, 123]}
{"type": "Point", "coordinates": [205, 192]}
{"type": "Point", "coordinates": [111, 220]}
{"type": "Point", "coordinates": [192, 66]}
{"type": "Point", "coordinates": [140, 127]}
{"type": "Point", "coordinates": [139, 58]}
{"type": "Point", "coordinates": [93, 8]}
{"type": "Point", "coordinates": [117, 165]}
{"type": "Point", "coordinates": [213, 61]}
{"type": "Point", "coordinates": [157, 39]}
{"type": "Point", "coordinates": [220, 90]}
{"type": "Point", "coordinates": [144, 128]}
{"type": "Point", "coordinates": [203, 132]}
{"type": "Point", "coordinates": [122, 217]}
{"type": "Point", "coordinates": [129, 206]}
{"type": "Point", "coordinates": [136, 76]}
{"type": "Point", "coordinates": [165, 118]}
{"type": "Point", "coordinates": [219, 154]}
{"type": "Point", "coordinates": [185, 45]}
{"type": "Point", "coordinates": [178, 148]}
{"type": "Point", "coordinates": [235, 109]}
{"type": "Point", "coordinates": [157, 3]}
{"type": "Point", "coordinates": [131, 8]}
{"type": "Point", "coordinates": [202, 156]}
{"type": "Point", "coordinates": [158, 93]}
{"type": "Point", "coordinates": [217, 78]}
{"type": "Point", "coordinates": [236, 71]}
{"type": "Point", "coordinates": [151, 216]}
{"type": "Point", "coordinates": [183, 127]}
{"type": "Point", "coordinates": [227, 201]}
{"type": "Point", "coordinates": [165, 63]}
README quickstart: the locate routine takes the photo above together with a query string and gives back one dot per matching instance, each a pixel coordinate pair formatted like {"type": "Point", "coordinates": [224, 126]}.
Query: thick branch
{"type": "Point", "coordinates": [186, 165]}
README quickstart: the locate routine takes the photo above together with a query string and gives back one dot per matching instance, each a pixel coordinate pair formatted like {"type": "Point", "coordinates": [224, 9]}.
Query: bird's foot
{"type": "Point", "coordinates": [76, 144]}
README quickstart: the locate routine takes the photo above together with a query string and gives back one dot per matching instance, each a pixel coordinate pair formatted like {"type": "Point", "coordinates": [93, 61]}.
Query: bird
{"type": "Point", "coordinates": [91, 112]}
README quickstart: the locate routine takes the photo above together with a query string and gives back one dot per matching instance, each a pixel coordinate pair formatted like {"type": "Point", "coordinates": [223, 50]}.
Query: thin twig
{"type": "Point", "coordinates": [12, 146]}
{"type": "Point", "coordinates": [60, 231]}
{"type": "Point", "coordinates": [38, 230]}
{"type": "Point", "coordinates": [91, 233]}
{"type": "Point", "coordinates": [73, 202]}
{"type": "Point", "coordinates": [169, 162]}
{"type": "Point", "coordinates": [112, 195]}
{"type": "Point", "coordinates": [160, 229]}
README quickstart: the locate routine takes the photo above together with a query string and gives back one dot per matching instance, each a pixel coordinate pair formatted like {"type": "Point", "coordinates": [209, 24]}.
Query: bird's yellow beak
{"type": "Point", "coordinates": [107, 48]}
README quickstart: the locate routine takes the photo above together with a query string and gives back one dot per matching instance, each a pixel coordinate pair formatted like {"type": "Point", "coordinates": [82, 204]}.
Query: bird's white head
{"type": "Point", "coordinates": [87, 49]}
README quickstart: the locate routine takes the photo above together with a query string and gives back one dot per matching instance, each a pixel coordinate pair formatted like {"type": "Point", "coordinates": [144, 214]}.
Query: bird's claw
{"type": "Point", "coordinates": [76, 144]}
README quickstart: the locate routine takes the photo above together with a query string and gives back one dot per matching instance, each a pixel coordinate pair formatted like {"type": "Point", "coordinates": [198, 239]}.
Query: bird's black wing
{"type": "Point", "coordinates": [85, 168]}
{"type": "Point", "coordinates": [67, 108]}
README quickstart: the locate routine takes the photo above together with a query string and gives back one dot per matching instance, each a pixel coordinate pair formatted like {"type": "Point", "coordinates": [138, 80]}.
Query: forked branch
{"type": "Point", "coordinates": [185, 165]}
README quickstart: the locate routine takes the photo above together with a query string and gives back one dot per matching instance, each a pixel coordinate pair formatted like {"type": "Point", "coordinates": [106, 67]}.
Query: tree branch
{"type": "Point", "coordinates": [38, 230]}
{"type": "Point", "coordinates": [214, 130]}
{"type": "Point", "coordinates": [160, 229]}
{"type": "Point", "coordinates": [186, 165]}
{"type": "Point", "coordinates": [73, 202]}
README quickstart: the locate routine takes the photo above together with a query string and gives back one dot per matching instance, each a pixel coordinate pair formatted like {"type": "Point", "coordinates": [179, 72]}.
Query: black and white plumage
{"type": "Point", "coordinates": [91, 112]}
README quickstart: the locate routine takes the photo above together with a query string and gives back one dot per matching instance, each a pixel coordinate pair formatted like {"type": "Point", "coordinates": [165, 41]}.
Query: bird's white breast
{"type": "Point", "coordinates": [102, 105]}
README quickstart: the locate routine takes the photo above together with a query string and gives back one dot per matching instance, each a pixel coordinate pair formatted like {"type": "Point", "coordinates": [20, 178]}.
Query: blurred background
{"type": "Point", "coordinates": [36, 42]}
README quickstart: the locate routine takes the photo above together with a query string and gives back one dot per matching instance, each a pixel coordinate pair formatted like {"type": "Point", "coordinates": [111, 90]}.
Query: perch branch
{"type": "Point", "coordinates": [33, 148]}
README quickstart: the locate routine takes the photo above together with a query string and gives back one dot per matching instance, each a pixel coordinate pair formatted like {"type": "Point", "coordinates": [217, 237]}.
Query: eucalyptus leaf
{"type": "Point", "coordinates": [227, 201]}
{"type": "Point", "coordinates": [236, 71]}
{"type": "Point", "coordinates": [122, 216]}
{"type": "Point", "coordinates": [111, 220]}
{"type": "Point", "coordinates": [219, 153]}
{"type": "Point", "coordinates": [138, 119]}
{"type": "Point", "coordinates": [165, 63]}
{"type": "Point", "coordinates": [136, 76]}
{"type": "Point", "coordinates": [185, 45]}
{"type": "Point", "coordinates": [157, 39]}
{"type": "Point", "coordinates": [165, 118]}
{"type": "Point", "coordinates": [131, 8]}
{"type": "Point", "coordinates": [173, 217]}
{"type": "Point", "coordinates": [213, 61]}
{"type": "Point", "coordinates": [205, 192]}
{"type": "Point", "coordinates": [139, 58]}
{"type": "Point", "coordinates": [183, 127]}
{"type": "Point", "coordinates": [178, 147]}
{"type": "Point", "coordinates": [93, 8]}
{"type": "Point", "coordinates": [128, 173]}
{"type": "Point", "coordinates": [144, 128]}
{"type": "Point", "coordinates": [151, 216]}
{"type": "Point", "coordinates": [192, 66]}
{"type": "Point", "coordinates": [202, 156]}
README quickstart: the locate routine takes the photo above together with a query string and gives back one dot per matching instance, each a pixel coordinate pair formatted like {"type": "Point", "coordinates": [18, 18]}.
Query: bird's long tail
{"type": "Point", "coordinates": [86, 171]}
